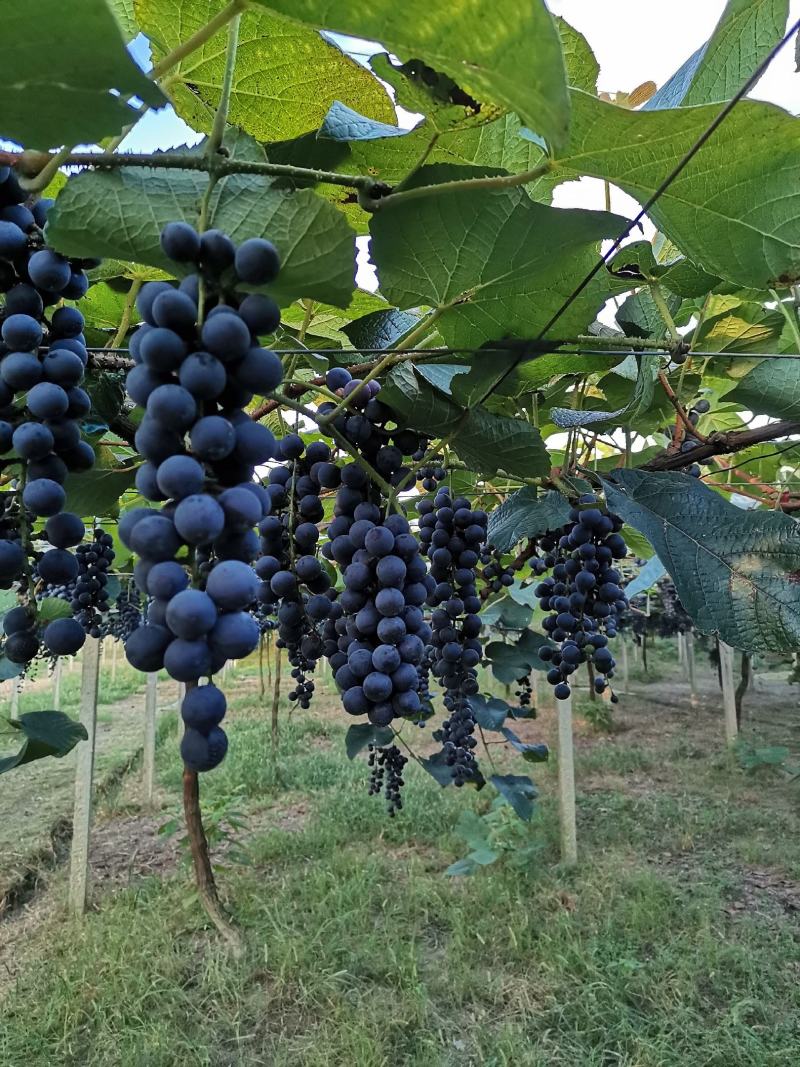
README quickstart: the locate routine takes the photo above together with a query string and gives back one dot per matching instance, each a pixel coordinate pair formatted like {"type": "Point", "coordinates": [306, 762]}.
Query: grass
{"type": "Point", "coordinates": [360, 952]}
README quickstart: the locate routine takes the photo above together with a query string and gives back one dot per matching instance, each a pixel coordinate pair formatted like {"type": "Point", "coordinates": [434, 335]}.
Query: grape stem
{"type": "Point", "coordinates": [127, 311]}
{"type": "Point", "coordinates": [203, 872]}
{"type": "Point", "coordinates": [184, 161]}
{"type": "Point", "coordinates": [683, 418]}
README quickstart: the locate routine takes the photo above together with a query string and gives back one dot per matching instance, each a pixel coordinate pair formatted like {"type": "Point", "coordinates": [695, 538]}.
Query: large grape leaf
{"type": "Point", "coordinates": [494, 264]}
{"type": "Point", "coordinates": [286, 76]}
{"type": "Point", "coordinates": [772, 387]}
{"type": "Point", "coordinates": [64, 71]}
{"type": "Point", "coordinates": [742, 38]}
{"type": "Point", "coordinates": [734, 209]}
{"type": "Point", "coordinates": [737, 572]}
{"type": "Point", "coordinates": [121, 214]}
{"type": "Point", "coordinates": [508, 53]}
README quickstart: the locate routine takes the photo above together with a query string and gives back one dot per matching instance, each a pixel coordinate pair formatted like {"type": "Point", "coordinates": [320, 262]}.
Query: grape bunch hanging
{"type": "Point", "coordinates": [582, 595]}
{"type": "Point", "coordinates": [43, 357]}
{"type": "Point", "coordinates": [198, 365]}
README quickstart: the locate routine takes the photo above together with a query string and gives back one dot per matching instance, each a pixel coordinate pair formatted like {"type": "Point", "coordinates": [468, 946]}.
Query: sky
{"type": "Point", "coordinates": [634, 41]}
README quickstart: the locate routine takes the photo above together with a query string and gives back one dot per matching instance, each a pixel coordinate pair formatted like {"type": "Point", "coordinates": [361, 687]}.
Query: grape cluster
{"type": "Point", "coordinates": [126, 614]}
{"type": "Point", "coordinates": [453, 536]}
{"type": "Point", "coordinates": [366, 425]}
{"type": "Point", "coordinates": [193, 376]}
{"type": "Point", "coordinates": [583, 594]}
{"type": "Point", "coordinates": [495, 575]}
{"type": "Point", "coordinates": [295, 585]}
{"type": "Point", "coordinates": [432, 473]}
{"type": "Point", "coordinates": [524, 691]}
{"type": "Point", "coordinates": [379, 628]}
{"type": "Point", "coordinates": [89, 593]}
{"type": "Point", "coordinates": [43, 357]}
{"type": "Point", "coordinates": [386, 764]}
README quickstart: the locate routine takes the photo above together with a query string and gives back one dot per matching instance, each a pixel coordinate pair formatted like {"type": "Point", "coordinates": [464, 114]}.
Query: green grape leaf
{"type": "Point", "coordinates": [772, 387]}
{"type": "Point", "coordinates": [642, 397]}
{"type": "Point", "coordinates": [579, 59]}
{"type": "Point", "coordinates": [735, 208]}
{"type": "Point", "coordinates": [66, 84]}
{"type": "Point", "coordinates": [639, 317]}
{"type": "Point", "coordinates": [737, 572]}
{"type": "Point", "coordinates": [97, 491]}
{"type": "Point", "coordinates": [46, 733]}
{"type": "Point", "coordinates": [526, 513]}
{"type": "Point", "coordinates": [361, 734]}
{"type": "Point", "coordinates": [518, 790]}
{"type": "Point", "coordinates": [490, 712]}
{"type": "Point", "coordinates": [538, 753]}
{"type": "Point", "coordinates": [488, 443]}
{"type": "Point", "coordinates": [51, 607]}
{"type": "Point", "coordinates": [125, 16]}
{"type": "Point", "coordinates": [487, 54]}
{"type": "Point", "coordinates": [742, 38]}
{"type": "Point", "coordinates": [286, 76]}
{"type": "Point", "coordinates": [9, 669]}
{"type": "Point", "coordinates": [743, 327]}
{"type": "Point", "coordinates": [121, 214]}
{"type": "Point", "coordinates": [379, 329]}
{"type": "Point", "coordinates": [494, 264]}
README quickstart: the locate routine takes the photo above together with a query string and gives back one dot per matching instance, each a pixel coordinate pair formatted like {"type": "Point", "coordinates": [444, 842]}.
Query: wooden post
{"type": "Point", "coordinates": [57, 685]}
{"type": "Point", "coordinates": [690, 667]}
{"type": "Point", "coordinates": [624, 665]}
{"type": "Point", "coordinates": [535, 690]}
{"type": "Point", "coordinates": [728, 692]}
{"type": "Point", "coordinates": [84, 772]}
{"type": "Point", "coordinates": [566, 783]}
{"type": "Point", "coordinates": [149, 749]}
{"type": "Point", "coordinates": [681, 652]}
{"type": "Point", "coordinates": [114, 651]}
{"type": "Point", "coordinates": [181, 695]}
{"type": "Point", "coordinates": [16, 691]}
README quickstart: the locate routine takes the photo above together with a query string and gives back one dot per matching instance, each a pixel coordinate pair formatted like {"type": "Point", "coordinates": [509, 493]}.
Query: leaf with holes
{"type": "Point", "coordinates": [737, 572]}
{"type": "Point", "coordinates": [486, 52]}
